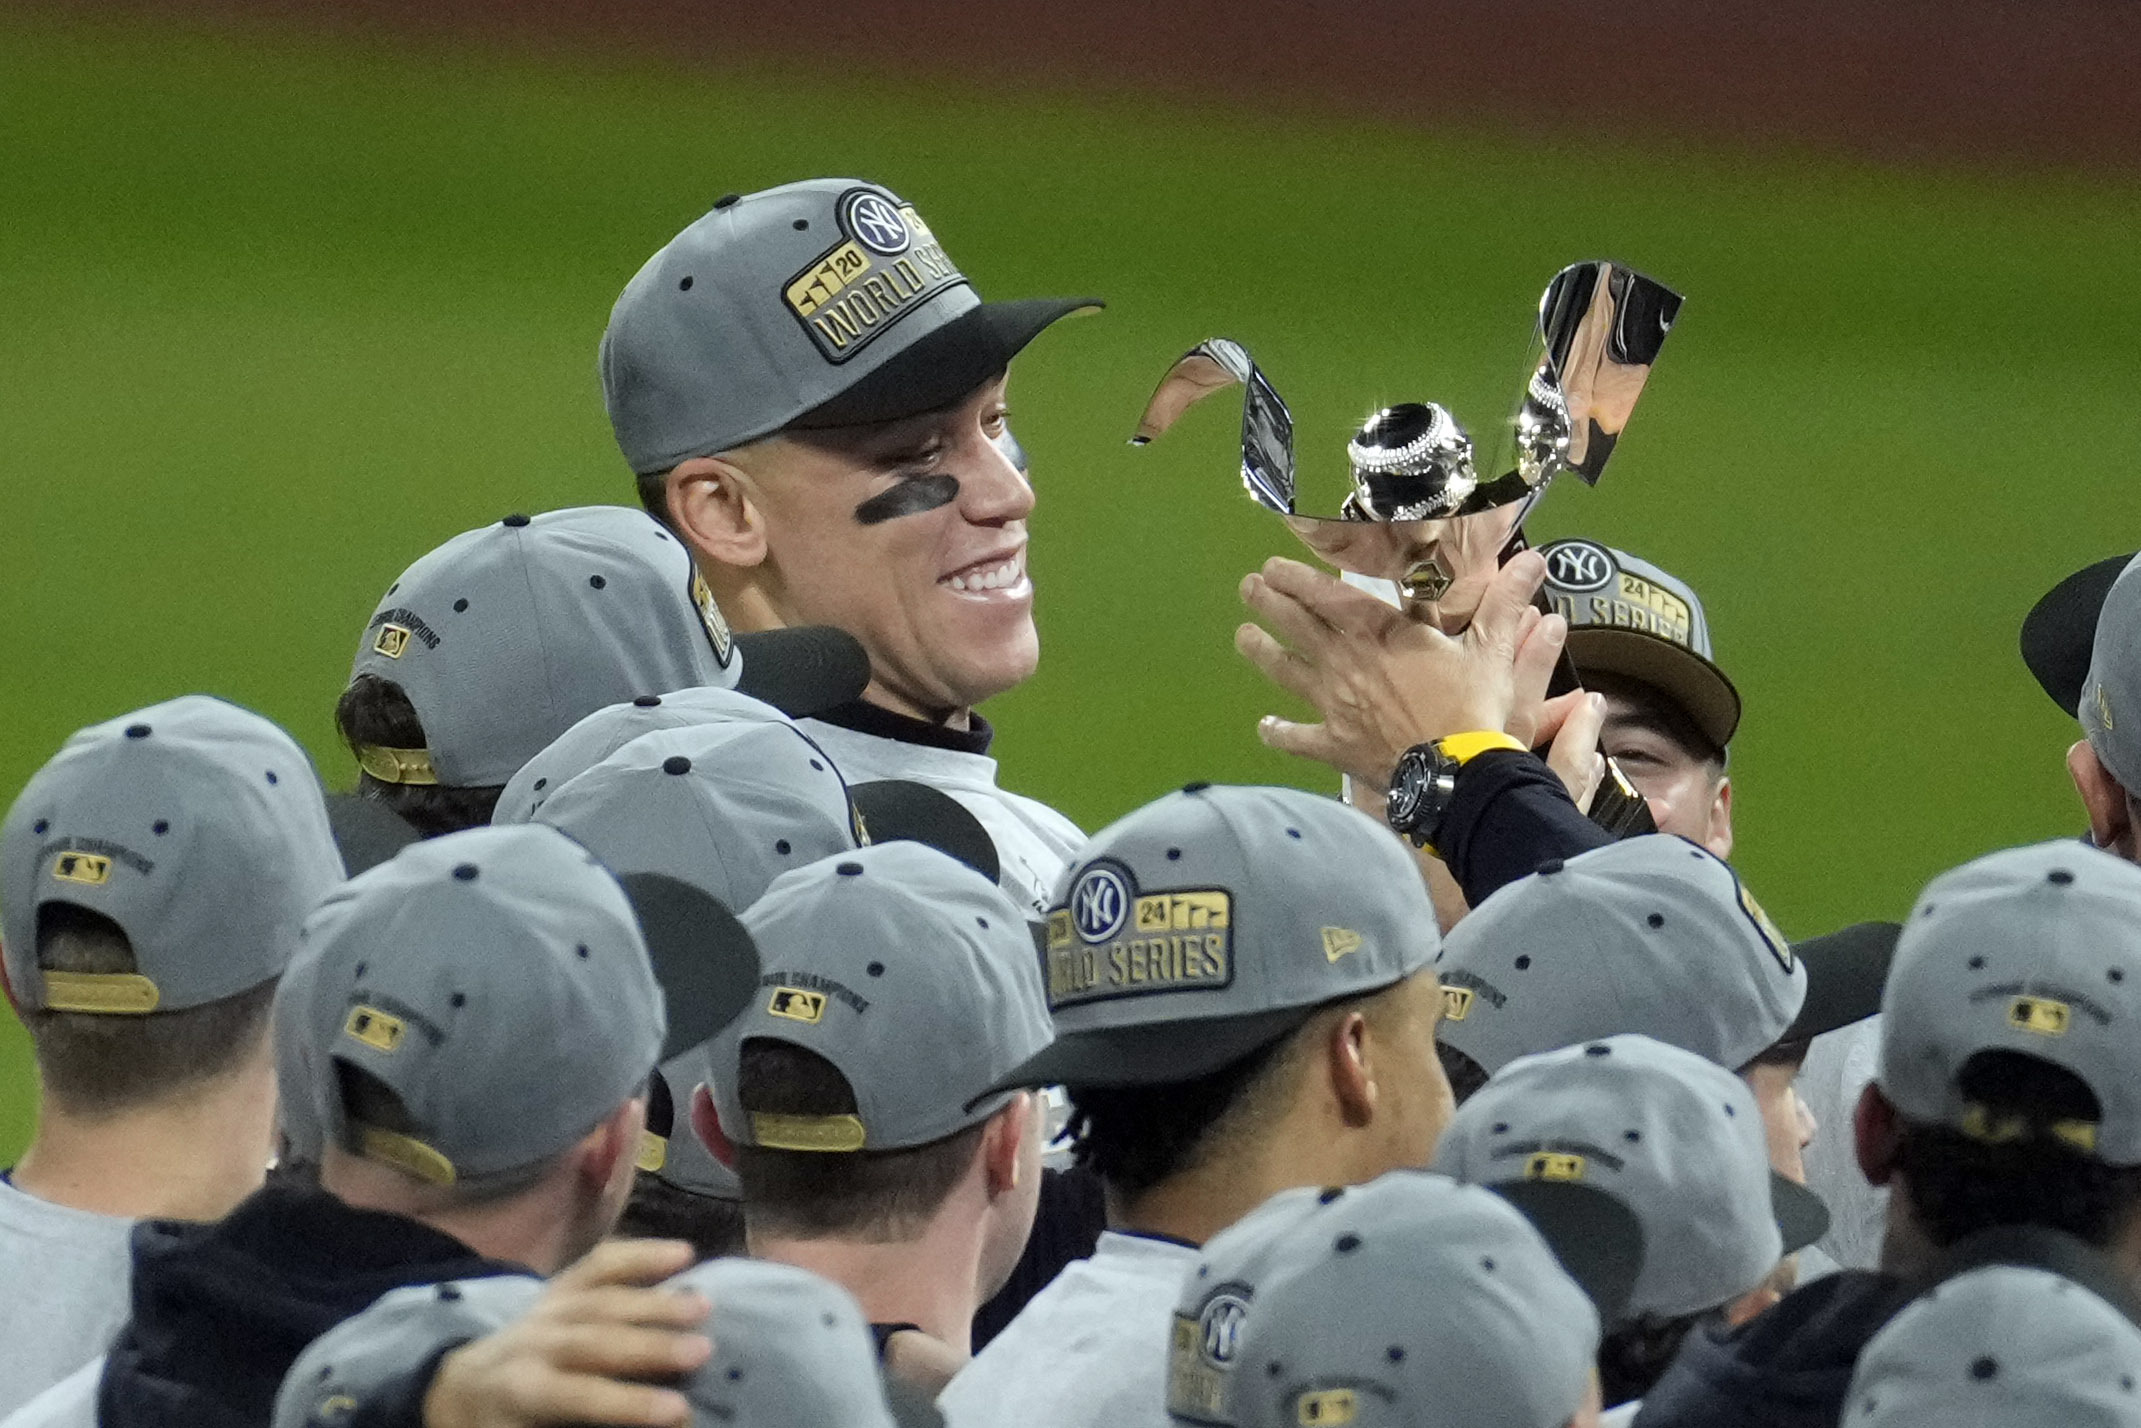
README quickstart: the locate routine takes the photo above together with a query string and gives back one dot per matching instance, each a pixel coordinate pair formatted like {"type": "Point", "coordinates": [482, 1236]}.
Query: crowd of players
{"type": "Point", "coordinates": [678, 1025]}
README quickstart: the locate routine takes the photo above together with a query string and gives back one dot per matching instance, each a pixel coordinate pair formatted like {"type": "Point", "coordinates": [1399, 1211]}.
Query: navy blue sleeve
{"type": "Point", "coordinates": [1509, 815]}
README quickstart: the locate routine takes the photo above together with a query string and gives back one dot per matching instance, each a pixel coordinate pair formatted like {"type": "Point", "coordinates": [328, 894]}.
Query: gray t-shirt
{"type": "Point", "coordinates": [67, 1274]}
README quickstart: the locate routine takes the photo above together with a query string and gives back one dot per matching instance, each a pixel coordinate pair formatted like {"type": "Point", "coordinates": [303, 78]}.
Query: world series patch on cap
{"type": "Point", "coordinates": [1628, 617]}
{"type": "Point", "coordinates": [506, 636]}
{"type": "Point", "coordinates": [2035, 951]}
{"type": "Point", "coordinates": [1214, 921]}
{"type": "Point", "coordinates": [197, 827]}
{"type": "Point", "coordinates": [824, 303]}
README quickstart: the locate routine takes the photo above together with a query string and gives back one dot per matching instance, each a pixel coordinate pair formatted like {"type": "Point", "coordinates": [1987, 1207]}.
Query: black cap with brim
{"type": "Point", "coordinates": [893, 809]}
{"type": "Point", "coordinates": [1695, 684]}
{"type": "Point", "coordinates": [803, 671]}
{"type": "Point", "coordinates": [1846, 971]}
{"type": "Point", "coordinates": [2059, 633]}
{"type": "Point", "coordinates": [939, 369]}
{"type": "Point", "coordinates": [366, 831]}
{"type": "Point", "coordinates": [704, 959]}
{"type": "Point", "coordinates": [1158, 1054]}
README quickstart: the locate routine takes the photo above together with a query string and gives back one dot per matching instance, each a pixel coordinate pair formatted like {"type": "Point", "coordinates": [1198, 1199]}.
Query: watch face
{"type": "Point", "coordinates": [1409, 787]}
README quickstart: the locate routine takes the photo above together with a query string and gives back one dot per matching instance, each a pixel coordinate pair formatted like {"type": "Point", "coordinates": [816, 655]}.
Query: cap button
{"type": "Point", "coordinates": [137, 731]}
{"type": "Point", "coordinates": [516, 520]}
{"type": "Point", "coordinates": [465, 872]}
{"type": "Point", "coordinates": [2059, 877]}
{"type": "Point", "coordinates": [1550, 867]}
{"type": "Point", "coordinates": [727, 200]}
{"type": "Point", "coordinates": [648, 701]}
{"type": "Point", "coordinates": [849, 870]}
{"type": "Point", "coordinates": [676, 764]}
{"type": "Point", "coordinates": [1198, 787]}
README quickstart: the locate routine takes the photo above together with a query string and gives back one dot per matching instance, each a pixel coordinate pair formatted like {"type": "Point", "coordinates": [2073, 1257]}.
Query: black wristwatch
{"type": "Point", "coordinates": [1425, 781]}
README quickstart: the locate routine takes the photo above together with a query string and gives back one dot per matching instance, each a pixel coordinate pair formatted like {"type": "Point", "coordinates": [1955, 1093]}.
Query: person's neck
{"type": "Point", "coordinates": [533, 1227]}
{"type": "Point", "coordinates": [1907, 1253]}
{"type": "Point", "coordinates": [932, 1282]}
{"type": "Point", "coordinates": [191, 1157]}
{"type": "Point", "coordinates": [892, 701]}
{"type": "Point", "coordinates": [1198, 1203]}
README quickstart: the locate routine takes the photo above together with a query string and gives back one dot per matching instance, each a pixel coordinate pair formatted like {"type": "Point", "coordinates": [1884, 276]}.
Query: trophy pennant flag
{"type": "Point", "coordinates": [1418, 512]}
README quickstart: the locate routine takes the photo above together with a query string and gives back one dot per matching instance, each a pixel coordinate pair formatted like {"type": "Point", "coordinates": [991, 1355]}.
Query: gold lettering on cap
{"type": "Point", "coordinates": [797, 1004]}
{"type": "Point", "coordinates": [406, 1154]}
{"type": "Point", "coordinates": [391, 641]}
{"type": "Point", "coordinates": [2041, 1015]}
{"type": "Point", "coordinates": [821, 284]}
{"type": "Point", "coordinates": [101, 993]}
{"type": "Point", "coordinates": [653, 1152]}
{"type": "Point", "coordinates": [716, 623]}
{"type": "Point", "coordinates": [1340, 942]}
{"type": "Point", "coordinates": [1554, 1165]}
{"type": "Point", "coordinates": [93, 869]}
{"type": "Point", "coordinates": [820, 1134]}
{"type": "Point", "coordinates": [2103, 708]}
{"type": "Point", "coordinates": [382, 1031]}
{"type": "Point", "coordinates": [1456, 1003]}
{"type": "Point", "coordinates": [1326, 1407]}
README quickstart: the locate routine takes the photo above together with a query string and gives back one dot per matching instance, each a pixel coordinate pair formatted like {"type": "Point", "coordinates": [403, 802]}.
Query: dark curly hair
{"type": "Point", "coordinates": [374, 711]}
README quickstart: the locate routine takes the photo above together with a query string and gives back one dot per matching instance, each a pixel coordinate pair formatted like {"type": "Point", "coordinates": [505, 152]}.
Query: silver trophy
{"type": "Point", "coordinates": [1417, 511]}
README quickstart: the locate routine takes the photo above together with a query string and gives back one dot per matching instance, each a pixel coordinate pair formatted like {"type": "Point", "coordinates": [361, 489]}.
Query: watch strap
{"type": "Point", "coordinates": [1463, 748]}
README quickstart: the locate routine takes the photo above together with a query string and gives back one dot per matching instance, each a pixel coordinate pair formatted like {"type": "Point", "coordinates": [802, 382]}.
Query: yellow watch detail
{"type": "Point", "coordinates": [1466, 747]}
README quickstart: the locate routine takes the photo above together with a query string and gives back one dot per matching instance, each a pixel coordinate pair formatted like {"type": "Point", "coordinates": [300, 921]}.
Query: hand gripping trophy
{"type": "Point", "coordinates": [1418, 513]}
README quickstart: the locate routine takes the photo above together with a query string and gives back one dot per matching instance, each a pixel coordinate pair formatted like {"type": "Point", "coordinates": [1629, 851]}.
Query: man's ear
{"type": "Point", "coordinates": [1717, 834]}
{"type": "Point", "coordinates": [713, 506]}
{"type": "Point", "coordinates": [2110, 811]}
{"type": "Point", "coordinates": [1348, 1052]}
{"type": "Point", "coordinates": [706, 1124]}
{"type": "Point", "coordinates": [611, 1149]}
{"type": "Point", "coordinates": [1874, 1128]}
{"type": "Point", "coordinates": [1003, 1143]}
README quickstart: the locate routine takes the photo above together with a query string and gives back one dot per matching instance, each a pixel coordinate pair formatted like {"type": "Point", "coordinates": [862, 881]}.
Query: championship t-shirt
{"type": "Point", "coordinates": [67, 1274]}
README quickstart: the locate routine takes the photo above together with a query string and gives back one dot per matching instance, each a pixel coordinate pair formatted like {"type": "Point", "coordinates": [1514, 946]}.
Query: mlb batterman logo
{"type": "Point", "coordinates": [91, 869]}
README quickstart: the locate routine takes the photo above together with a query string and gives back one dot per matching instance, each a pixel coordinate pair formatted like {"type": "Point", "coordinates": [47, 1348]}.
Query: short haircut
{"type": "Point", "coordinates": [654, 495]}
{"type": "Point", "coordinates": [1465, 1075]}
{"type": "Point", "coordinates": [659, 1210]}
{"type": "Point", "coordinates": [99, 1065]}
{"type": "Point", "coordinates": [882, 1196]}
{"type": "Point", "coordinates": [1634, 1356]}
{"type": "Point", "coordinates": [374, 712]}
{"type": "Point", "coordinates": [1136, 1137]}
{"type": "Point", "coordinates": [370, 1103]}
{"type": "Point", "coordinates": [1958, 1184]}
{"type": "Point", "coordinates": [1660, 711]}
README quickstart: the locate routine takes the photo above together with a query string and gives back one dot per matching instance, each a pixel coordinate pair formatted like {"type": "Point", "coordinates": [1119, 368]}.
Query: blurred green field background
{"type": "Point", "coordinates": [278, 314]}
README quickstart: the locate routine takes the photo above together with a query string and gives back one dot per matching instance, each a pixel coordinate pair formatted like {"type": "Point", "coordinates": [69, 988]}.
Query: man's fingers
{"type": "Point", "coordinates": [1574, 755]}
{"type": "Point", "coordinates": [622, 1304]}
{"type": "Point", "coordinates": [1550, 715]}
{"type": "Point", "coordinates": [1281, 665]}
{"type": "Point", "coordinates": [1536, 660]}
{"type": "Point", "coordinates": [626, 1351]}
{"type": "Point", "coordinates": [1328, 598]}
{"type": "Point", "coordinates": [1300, 627]}
{"type": "Point", "coordinates": [1498, 621]}
{"type": "Point", "coordinates": [1309, 741]}
{"type": "Point", "coordinates": [545, 1395]}
{"type": "Point", "coordinates": [626, 1262]}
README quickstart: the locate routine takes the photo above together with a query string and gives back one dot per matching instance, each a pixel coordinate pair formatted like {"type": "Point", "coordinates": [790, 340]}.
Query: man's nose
{"type": "Point", "coordinates": [991, 489]}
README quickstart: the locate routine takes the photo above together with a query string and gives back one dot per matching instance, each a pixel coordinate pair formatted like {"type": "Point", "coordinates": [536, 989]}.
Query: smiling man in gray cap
{"type": "Point", "coordinates": [811, 394]}
{"type": "Point", "coordinates": [153, 876]}
{"type": "Point", "coordinates": [1243, 1001]}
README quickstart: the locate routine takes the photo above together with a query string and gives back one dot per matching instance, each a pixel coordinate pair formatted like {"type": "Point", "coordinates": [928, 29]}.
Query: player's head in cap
{"type": "Point", "coordinates": [1656, 936]}
{"type": "Point", "coordinates": [472, 1025]}
{"type": "Point", "coordinates": [2007, 1344]}
{"type": "Point", "coordinates": [1243, 1002]}
{"type": "Point", "coordinates": [857, 1095]}
{"type": "Point", "coordinates": [1645, 1167]}
{"type": "Point", "coordinates": [2009, 1090]}
{"type": "Point", "coordinates": [153, 877]}
{"type": "Point", "coordinates": [497, 642]}
{"type": "Point", "coordinates": [1639, 637]}
{"type": "Point", "coordinates": [1417, 1303]}
{"type": "Point", "coordinates": [2106, 764]}
{"type": "Point", "coordinates": [812, 394]}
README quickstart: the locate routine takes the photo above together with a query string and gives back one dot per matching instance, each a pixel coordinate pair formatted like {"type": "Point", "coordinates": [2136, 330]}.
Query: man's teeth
{"type": "Point", "coordinates": [995, 578]}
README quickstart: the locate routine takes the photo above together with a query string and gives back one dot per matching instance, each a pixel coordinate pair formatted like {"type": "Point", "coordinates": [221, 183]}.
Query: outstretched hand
{"type": "Point", "coordinates": [1382, 681]}
{"type": "Point", "coordinates": [575, 1355]}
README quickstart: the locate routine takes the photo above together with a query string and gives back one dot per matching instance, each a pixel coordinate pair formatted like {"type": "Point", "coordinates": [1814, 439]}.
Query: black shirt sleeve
{"type": "Point", "coordinates": [1510, 814]}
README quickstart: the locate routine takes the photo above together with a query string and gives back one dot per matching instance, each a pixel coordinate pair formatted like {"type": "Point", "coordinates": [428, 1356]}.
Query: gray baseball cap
{"type": "Point", "coordinates": [195, 826]}
{"type": "Point", "coordinates": [911, 973]}
{"type": "Point", "coordinates": [816, 304]}
{"type": "Point", "coordinates": [1652, 935]}
{"type": "Point", "coordinates": [444, 974]}
{"type": "Point", "coordinates": [505, 636]}
{"type": "Point", "coordinates": [1214, 921]}
{"type": "Point", "coordinates": [2111, 695]}
{"type": "Point", "coordinates": [2034, 950]}
{"type": "Point", "coordinates": [791, 1350]}
{"type": "Point", "coordinates": [1572, 1137]}
{"type": "Point", "coordinates": [1628, 617]}
{"type": "Point", "coordinates": [2007, 1344]}
{"type": "Point", "coordinates": [610, 728]}
{"type": "Point", "coordinates": [1218, 1297]}
{"type": "Point", "coordinates": [1428, 1303]}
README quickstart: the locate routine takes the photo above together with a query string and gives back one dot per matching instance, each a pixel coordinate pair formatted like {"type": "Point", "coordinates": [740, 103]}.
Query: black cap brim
{"type": "Point", "coordinates": [1162, 1054]}
{"type": "Point", "coordinates": [366, 831]}
{"type": "Point", "coordinates": [1801, 1216]}
{"type": "Point", "coordinates": [704, 961]}
{"type": "Point", "coordinates": [941, 368]}
{"type": "Point", "coordinates": [803, 671]}
{"type": "Point", "coordinates": [1845, 974]}
{"type": "Point", "coordinates": [1597, 1238]}
{"type": "Point", "coordinates": [2059, 633]}
{"type": "Point", "coordinates": [895, 808]}
{"type": "Point", "coordinates": [1690, 681]}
